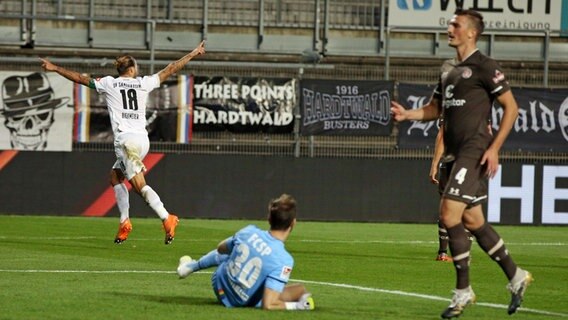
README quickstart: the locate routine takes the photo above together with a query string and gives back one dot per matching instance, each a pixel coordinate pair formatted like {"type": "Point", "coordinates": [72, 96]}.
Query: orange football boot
{"type": "Point", "coordinates": [170, 225]}
{"type": "Point", "coordinates": [123, 231]}
{"type": "Point", "coordinates": [444, 257]}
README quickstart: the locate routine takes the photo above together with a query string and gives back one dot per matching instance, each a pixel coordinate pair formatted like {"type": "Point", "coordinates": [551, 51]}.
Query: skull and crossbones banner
{"type": "Point", "coordinates": [35, 112]}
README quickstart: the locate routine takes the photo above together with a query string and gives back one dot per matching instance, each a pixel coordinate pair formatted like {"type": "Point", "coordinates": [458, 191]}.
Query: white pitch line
{"type": "Point", "coordinates": [329, 284]}
{"type": "Point", "coordinates": [87, 271]}
{"type": "Point", "coordinates": [424, 296]}
{"type": "Point", "coordinates": [421, 242]}
{"type": "Point", "coordinates": [548, 244]}
{"type": "Point", "coordinates": [49, 238]}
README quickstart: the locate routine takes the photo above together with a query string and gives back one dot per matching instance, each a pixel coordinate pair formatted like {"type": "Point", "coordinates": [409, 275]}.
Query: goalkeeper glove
{"type": "Point", "coordinates": [306, 302]}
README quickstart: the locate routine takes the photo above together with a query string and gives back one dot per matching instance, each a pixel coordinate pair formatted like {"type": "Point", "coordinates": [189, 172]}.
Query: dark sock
{"type": "Point", "coordinates": [469, 235]}
{"type": "Point", "coordinates": [460, 247]}
{"type": "Point", "coordinates": [494, 246]}
{"type": "Point", "coordinates": [442, 238]}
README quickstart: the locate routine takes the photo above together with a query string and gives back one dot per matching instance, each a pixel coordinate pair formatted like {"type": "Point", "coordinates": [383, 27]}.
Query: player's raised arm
{"type": "Point", "coordinates": [69, 74]}
{"type": "Point", "coordinates": [174, 67]}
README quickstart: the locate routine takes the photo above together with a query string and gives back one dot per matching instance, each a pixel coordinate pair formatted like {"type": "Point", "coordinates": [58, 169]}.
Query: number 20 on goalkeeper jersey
{"type": "Point", "coordinates": [257, 261]}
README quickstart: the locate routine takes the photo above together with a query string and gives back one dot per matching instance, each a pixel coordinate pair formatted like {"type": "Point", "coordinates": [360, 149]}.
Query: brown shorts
{"type": "Point", "coordinates": [464, 180]}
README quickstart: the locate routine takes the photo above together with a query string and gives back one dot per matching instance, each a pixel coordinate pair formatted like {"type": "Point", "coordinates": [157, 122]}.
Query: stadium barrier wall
{"type": "Point", "coordinates": [239, 187]}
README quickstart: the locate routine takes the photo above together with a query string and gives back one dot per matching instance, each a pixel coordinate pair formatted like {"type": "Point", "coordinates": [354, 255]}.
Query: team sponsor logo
{"type": "Point", "coordinates": [286, 271]}
{"type": "Point", "coordinates": [449, 100]}
{"type": "Point", "coordinates": [449, 92]}
{"type": "Point", "coordinates": [453, 103]}
{"type": "Point", "coordinates": [416, 5]}
{"type": "Point", "coordinates": [499, 76]}
{"type": "Point", "coordinates": [466, 74]}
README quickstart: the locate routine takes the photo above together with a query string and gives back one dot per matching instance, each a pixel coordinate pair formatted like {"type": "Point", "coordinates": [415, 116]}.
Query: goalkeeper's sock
{"type": "Point", "coordinates": [211, 259]}
{"type": "Point", "coordinates": [153, 200]}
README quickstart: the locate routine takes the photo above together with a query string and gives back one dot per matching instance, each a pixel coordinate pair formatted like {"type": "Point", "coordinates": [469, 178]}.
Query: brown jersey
{"type": "Point", "coordinates": [466, 90]}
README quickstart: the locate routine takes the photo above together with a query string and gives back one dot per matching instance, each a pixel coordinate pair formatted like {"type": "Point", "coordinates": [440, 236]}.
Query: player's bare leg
{"type": "Point", "coordinates": [169, 221]}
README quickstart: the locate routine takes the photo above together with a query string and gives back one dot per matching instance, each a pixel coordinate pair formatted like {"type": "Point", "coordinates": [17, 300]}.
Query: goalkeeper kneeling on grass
{"type": "Point", "coordinates": [254, 266]}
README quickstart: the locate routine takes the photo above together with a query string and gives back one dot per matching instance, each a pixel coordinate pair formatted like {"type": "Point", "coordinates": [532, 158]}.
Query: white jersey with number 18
{"type": "Point", "coordinates": [126, 99]}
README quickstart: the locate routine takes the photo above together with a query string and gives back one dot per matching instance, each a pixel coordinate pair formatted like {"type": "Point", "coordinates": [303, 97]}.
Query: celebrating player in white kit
{"type": "Point", "coordinates": [126, 98]}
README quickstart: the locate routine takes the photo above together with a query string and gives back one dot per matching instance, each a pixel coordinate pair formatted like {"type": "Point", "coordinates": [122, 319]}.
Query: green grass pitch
{"type": "Point", "coordinates": [69, 268]}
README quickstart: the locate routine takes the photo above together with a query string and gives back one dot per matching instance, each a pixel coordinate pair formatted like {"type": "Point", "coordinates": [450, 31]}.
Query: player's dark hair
{"type": "Point", "coordinates": [475, 18]}
{"type": "Point", "coordinates": [281, 212]}
{"type": "Point", "coordinates": [122, 63]}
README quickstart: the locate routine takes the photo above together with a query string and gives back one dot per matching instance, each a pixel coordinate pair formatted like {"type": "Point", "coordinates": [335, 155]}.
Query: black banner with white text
{"type": "Point", "coordinates": [416, 134]}
{"type": "Point", "coordinates": [343, 107]}
{"type": "Point", "coordinates": [243, 104]}
{"type": "Point", "coordinates": [542, 124]}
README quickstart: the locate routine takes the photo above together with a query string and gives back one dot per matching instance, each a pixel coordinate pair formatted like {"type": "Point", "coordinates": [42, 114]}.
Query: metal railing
{"type": "Point", "coordinates": [546, 35]}
{"type": "Point", "coordinates": [321, 18]}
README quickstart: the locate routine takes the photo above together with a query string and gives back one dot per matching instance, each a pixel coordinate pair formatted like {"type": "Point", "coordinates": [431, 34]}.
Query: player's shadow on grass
{"type": "Point", "coordinates": [183, 300]}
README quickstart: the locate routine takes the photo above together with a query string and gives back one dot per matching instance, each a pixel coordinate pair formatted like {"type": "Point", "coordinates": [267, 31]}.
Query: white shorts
{"type": "Point", "coordinates": [130, 149]}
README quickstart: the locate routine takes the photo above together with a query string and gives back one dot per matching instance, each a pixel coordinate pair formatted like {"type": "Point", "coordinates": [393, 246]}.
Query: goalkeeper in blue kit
{"type": "Point", "coordinates": [254, 266]}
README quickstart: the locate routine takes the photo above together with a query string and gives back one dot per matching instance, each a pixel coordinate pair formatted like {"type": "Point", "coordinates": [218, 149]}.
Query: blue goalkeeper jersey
{"type": "Point", "coordinates": [256, 261]}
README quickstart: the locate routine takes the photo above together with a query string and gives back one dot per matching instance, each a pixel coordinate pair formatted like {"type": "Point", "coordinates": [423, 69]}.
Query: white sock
{"type": "Point", "coordinates": [519, 275]}
{"type": "Point", "coordinates": [464, 290]}
{"type": "Point", "coordinates": [153, 200]}
{"type": "Point", "coordinates": [121, 194]}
